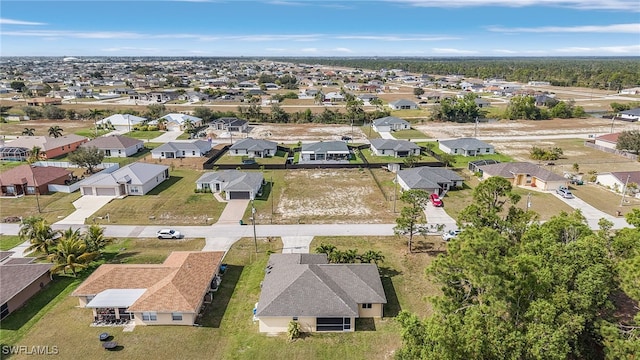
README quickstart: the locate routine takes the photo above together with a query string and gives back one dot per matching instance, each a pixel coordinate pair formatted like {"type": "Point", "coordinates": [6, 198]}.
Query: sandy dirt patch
{"type": "Point", "coordinates": [305, 132]}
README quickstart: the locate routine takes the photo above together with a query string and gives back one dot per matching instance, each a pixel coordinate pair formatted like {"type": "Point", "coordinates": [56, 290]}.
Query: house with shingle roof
{"type": "Point", "coordinates": [395, 148]}
{"type": "Point", "coordinates": [171, 293]}
{"type": "Point", "coordinates": [25, 179]}
{"type": "Point", "coordinates": [324, 152]}
{"type": "Point", "coordinates": [618, 180]}
{"type": "Point", "coordinates": [21, 278]}
{"type": "Point", "coordinates": [122, 122]}
{"type": "Point", "coordinates": [235, 184]}
{"type": "Point", "coordinates": [181, 149]}
{"type": "Point", "coordinates": [524, 174]}
{"type": "Point", "coordinates": [254, 148]}
{"type": "Point", "coordinates": [629, 115]}
{"type": "Point", "coordinates": [390, 123]}
{"type": "Point", "coordinates": [229, 124]}
{"type": "Point", "coordinates": [466, 147]}
{"type": "Point", "coordinates": [116, 145]}
{"type": "Point", "coordinates": [430, 179]}
{"type": "Point", "coordinates": [177, 122]}
{"type": "Point", "coordinates": [134, 179]}
{"type": "Point", "coordinates": [318, 295]}
{"type": "Point", "coordinates": [609, 141]}
{"type": "Point", "coordinates": [50, 147]}
{"type": "Point", "coordinates": [403, 104]}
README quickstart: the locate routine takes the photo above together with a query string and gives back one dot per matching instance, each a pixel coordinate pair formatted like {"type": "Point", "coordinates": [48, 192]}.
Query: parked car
{"type": "Point", "coordinates": [451, 234]}
{"type": "Point", "coordinates": [564, 192]}
{"type": "Point", "coordinates": [435, 200]}
{"type": "Point", "coordinates": [168, 234]}
{"type": "Point", "coordinates": [576, 182]}
{"type": "Point", "coordinates": [346, 138]}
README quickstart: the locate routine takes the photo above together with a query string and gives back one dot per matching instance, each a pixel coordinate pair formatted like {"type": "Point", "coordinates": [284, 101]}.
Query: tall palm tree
{"type": "Point", "coordinates": [29, 131]}
{"type": "Point", "coordinates": [71, 253]}
{"type": "Point", "coordinates": [162, 123]}
{"type": "Point", "coordinates": [41, 236]}
{"type": "Point", "coordinates": [34, 155]}
{"type": "Point", "coordinates": [94, 238]}
{"type": "Point", "coordinates": [94, 114]}
{"type": "Point", "coordinates": [55, 131]}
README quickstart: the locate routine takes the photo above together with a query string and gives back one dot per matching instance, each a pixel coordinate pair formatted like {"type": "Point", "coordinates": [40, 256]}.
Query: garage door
{"type": "Point", "coordinates": [239, 195]}
{"type": "Point", "coordinates": [87, 190]}
{"type": "Point", "coordinates": [105, 191]}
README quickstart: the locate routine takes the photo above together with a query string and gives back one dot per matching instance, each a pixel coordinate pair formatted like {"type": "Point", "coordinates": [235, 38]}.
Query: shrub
{"type": "Point", "coordinates": [293, 330]}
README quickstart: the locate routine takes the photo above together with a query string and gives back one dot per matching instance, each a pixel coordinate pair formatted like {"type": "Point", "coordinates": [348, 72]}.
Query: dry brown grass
{"type": "Point", "coordinates": [42, 126]}
{"type": "Point", "coordinates": [604, 200]}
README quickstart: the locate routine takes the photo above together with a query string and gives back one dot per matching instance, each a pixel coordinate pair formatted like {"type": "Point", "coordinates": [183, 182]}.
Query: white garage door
{"type": "Point", "coordinates": [87, 190]}
{"type": "Point", "coordinates": [105, 191]}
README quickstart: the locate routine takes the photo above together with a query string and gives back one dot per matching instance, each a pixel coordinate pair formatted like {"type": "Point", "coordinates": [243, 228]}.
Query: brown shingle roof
{"type": "Point", "coordinates": [178, 284]}
{"type": "Point", "coordinates": [42, 174]}
{"type": "Point", "coordinates": [45, 142]}
{"type": "Point", "coordinates": [508, 171]}
{"type": "Point", "coordinates": [15, 277]}
{"type": "Point", "coordinates": [612, 138]}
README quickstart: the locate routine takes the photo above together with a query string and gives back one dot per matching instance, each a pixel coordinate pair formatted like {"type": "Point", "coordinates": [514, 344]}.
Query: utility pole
{"type": "Point", "coordinates": [475, 129]}
{"type": "Point", "coordinates": [271, 195]}
{"type": "Point", "coordinates": [35, 191]}
{"type": "Point", "coordinates": [528, 201]}
{"type": "Point", "coordinates": [624, 190]}
{"type": "Point", "coordinates": [395, 192]}
{"type": "Point", "coordinates": [253, 222]}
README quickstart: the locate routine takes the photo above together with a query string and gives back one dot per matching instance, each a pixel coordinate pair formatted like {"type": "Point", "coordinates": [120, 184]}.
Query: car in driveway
{"type": "Point", "coordinates": [435, 200]}
{"type": "Point", "coordinates": [564, 192]}
{"type": "Point", "coordinates": [451, 234]}
{"type": "Point", "coordinates": [168, 234]}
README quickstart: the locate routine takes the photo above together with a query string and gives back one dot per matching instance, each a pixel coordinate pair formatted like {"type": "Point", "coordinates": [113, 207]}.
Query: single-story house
{"type": "Point", "coordinates": [254, 148]}
{"type": "Point", "coordinates": [395, 148]}
{"type": "Point", "coordinates": [390, 123]}
{"type": "Point", "coordinates": [617, 180]}
{"type": "Point", "coordinates": [116, 145]}
{"type": "Point", "coordinates": [229, 124]}
{"type": "Point", "coordinates": [474, 166]}
{"type": "Point", "coordinates": [24, 179]}
{"type": "Point", "coordinates": [122, 122]}
{"type": "Point", "coordinates": [176, 122]}
{"type": "Point", "coordinates": [21, 278]}
{"type": "Point", "coordinates": [171, 293]}
{"type": "Point", "coordinates": [50, 147]}
{"type": "Point", "coordinates": [629, 115]}
{"type": "Point", "coordinates": [325, 151]}
{"type": "Point", "coordinates": [608, 141]}
{"type": "Point", "coordinates": [482, 103]}
{"type": "Point", "coordinates": [430, 179]}
{"type": "Point", "coordinates": [524, 174]}
{"type": "Point", "coordinates": [318, 295]}
{"type": "Point", "coordinates": [403, 104]}
{"type": "Point", "coordinates": [181, 149]}
{"type": "Point", "coordinates": [466, 147]}
{"type": "Point", "coordinates": [134, 179]}
{"type": "Point", "coordinates": [235, 184]}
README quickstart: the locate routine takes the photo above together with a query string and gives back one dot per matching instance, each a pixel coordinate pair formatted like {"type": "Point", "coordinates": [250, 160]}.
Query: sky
{"type": "Point", "coordinates": [314, 28]}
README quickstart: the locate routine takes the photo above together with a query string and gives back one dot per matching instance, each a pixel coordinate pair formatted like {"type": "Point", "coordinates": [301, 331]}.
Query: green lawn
{"type": "Point", "coordinates": [463, 161]}
{"type": "Point", "coordinates": [172, 202]}
{"type": "Point", "coordinates": [146, 151]}
{"type": "Point", "coordinates": [9, 241]}
{"type": "Point", "coordinates": [409, 134]}
{"type": "Point", "coordinates": [368, 131]}
{"type": "Point", "coordinates": [6, 165]}
{"type": "Point", "coordinates": [53, 207]}
{"type": "Point", "coordinates": [144, 134]}
{"type": "Point", "coordinates": [91, 133]}
{"type": "Point", "coordinates": [368, 154]}
{"type": "Point", "coordinates": [227, 159]}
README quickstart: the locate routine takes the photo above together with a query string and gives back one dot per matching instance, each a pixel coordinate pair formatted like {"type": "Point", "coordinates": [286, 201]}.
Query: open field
{"type": "Point", "coordinates": [306, 132]}
{"type": "Point", "coordinates": [172, 202]}
{"type": "Point", "coordinates": [53, 207]}
{"type": "Point", "coordinates": [408, 134]}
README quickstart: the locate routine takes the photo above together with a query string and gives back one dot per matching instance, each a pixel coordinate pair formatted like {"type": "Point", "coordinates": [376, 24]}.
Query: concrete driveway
{"type": "Point", "coordinates": [386, 135]}
{"type": "Point", "coordinates": [167, 136]}
{"type": "Point", "coordinates": [233, 212]}
{"type": "Point", "coordinates": [592, 214]}
{"type": "Point", "coordinates": [437, 215]}
{"type": "Point", "coordinates": [86, 206]}
{"type": "Point", "coordinates": [296, 244]}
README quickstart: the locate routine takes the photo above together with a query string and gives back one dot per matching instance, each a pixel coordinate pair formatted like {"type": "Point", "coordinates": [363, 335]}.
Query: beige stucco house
{"type": "Point", "coordinates": [171, 293]}
{"type": "Point", "coordinates": [524, 174]}
{"type": "Point", "coordinates": [318, 295]}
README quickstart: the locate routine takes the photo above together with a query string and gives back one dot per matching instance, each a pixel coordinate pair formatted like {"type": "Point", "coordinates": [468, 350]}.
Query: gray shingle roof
{"type": "Point", "coordinates": [252, 144]}
{"type": "Point", "coordinates": [426, 177]}
{"type": "Point", "coordinates": [137, 174]}
{"type": "Point", "coordinates": [508, 170]}
{"type": "Point", "coordinates": [323, 147]}
{"type": "Point", "coordinates": [466, 144]}
{"type": "Point", "coordinates": [305, 285]}
{"type": "Point", "coordinates": [15, 277]}
{"type": "Point", "coordinates": [389, 120]}
{"type": "Point", "coordinates": [112, 142]}
{"type": "Point", "coordinates": [172, 146]}
{"type": "Point", "coordinates": [233, 180]}
{"type": "Point", "coordinates": [397, 145]}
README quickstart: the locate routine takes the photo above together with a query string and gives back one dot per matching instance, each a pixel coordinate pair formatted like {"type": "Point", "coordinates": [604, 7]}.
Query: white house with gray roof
{"type": "Point", "coordinates": [235, 184]}
{"type": "Point", "coordinates": [466, 147]}
{"type": "Point", "coordinates": [134, 179]}
{"type": "Point", "coordinates": [395, 148]}
{"type": "Point", "coordinates": [181, 149]}
{"type": "Point", "coordinates": [122, 122]}
{"type": "Point", "coordinates": [403, 104]}
{"type": "Point", "coordinates": [324, 152]}
{"type": "Point", "coordinates": [390, 123]}
{"type": "Point", "coordinates": [177, 122]}
{"type": "Point", "coordinates": [254, 148]}
{"type": "Point", "coordinates": [318, 295]}
{"type": "Point", "coordinates": [430, 179]}
{"type": "Point", "coordinates": [116, 145]}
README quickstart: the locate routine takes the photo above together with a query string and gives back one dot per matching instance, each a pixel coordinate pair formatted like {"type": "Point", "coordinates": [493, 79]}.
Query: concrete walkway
{"type": "Point", "coordinates": [233, 212]}
{"type": "Point", "coordinates": [386, 135]}
{"type": "Point", "coordinates": [167, 136]}
{"type": "Point", "coordinates": [19, 251]}
{"type": "Point", "coordinates": [86, 206]}
{"type": "Point", "coordinates": [296, 244]}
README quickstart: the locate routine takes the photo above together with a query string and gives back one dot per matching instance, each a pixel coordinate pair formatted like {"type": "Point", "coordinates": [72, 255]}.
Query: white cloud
{"type": "Point", "coordinates": [624, 5]}
{"type": "Point", "coordinates": [615, 28]}
{"type": "Point", "coordinates": [309, 50]}
{"type": "Point", "coordinates": [625, 49]}
{"type": "Point", "coordinates": [19, 22]}
{"type": "Point", "coordinates": [453, 51]}
{"type": "Point", "coordinates": [76, 34]}
{"type": "Point", "coordinates": [396, 38]}
{"type": "Point", "coordinates": [132, 48]}
{"type": "Point", "coordinates": [343, 50]}
{"type": "Point", "coordinates": [505, 51]}
{"type": "Point", "coordinates": [266, 37]}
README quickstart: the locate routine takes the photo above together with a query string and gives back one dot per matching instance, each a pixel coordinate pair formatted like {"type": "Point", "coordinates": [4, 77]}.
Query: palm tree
{"type": "Point", "coordinates": [93, 115]}
{"type": "Point", "coordinates": [71, 253]}
{"type": "Point", "coordinates": [55, 131]}
{"type": "Point", "coordinates": [29, 131]}
{"type": "Point", "coordinates": [162, 123]}
{"type": "Point", "coordinates": [94, 238]}
{"type": "Point", "coordinates": [325, 249]}
{"type": "Point", "coordinates": [40, 234]}
{"type": "Point", "coordinates": [34, 155]}
{"type": "Point", "coordinates": [372, 256]}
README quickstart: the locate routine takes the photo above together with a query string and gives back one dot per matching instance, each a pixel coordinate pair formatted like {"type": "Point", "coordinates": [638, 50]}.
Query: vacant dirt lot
{"type": "Point", "coordinates": [306, 132]}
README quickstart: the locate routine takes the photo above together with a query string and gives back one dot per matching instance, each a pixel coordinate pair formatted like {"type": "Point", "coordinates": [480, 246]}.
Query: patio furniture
{"type": "Point", "coordinates": [104, 336]}
{"type": "Point", "coordinates": [109, 345]}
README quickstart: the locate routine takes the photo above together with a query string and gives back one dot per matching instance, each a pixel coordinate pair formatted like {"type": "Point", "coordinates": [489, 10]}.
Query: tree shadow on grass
{"type": "Point", "coordinates": [165, 185]}
{"type": "Point", "coordinates": [214, 312]}
{"type": "Point", "coordinates": [392, 307]}
{"type": "Point", "coordinates": [429, 247]}
{"type": "Point", "coordinates": [365, 324]}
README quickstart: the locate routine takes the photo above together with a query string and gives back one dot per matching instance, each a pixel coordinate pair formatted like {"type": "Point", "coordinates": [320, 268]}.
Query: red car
{"type": "Point", "coordinates": [435, 200]}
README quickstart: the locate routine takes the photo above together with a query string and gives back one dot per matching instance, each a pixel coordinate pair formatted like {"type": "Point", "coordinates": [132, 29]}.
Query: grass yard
{"type": "Point", "coordinates": [141, 155]}
{"type": "Point", "coordinates": [172, 202]}
{"type": "Point", "coordinates": [371, 158]}
{"type": "Point", "coordinates": [142, 135]}
{"type": "Point", "coordinates": [409, 134]}
{"type": "Point", "coordinates": [42, 127]}
{"type": "Point", "coordinates": [603, 199]}
{"type": "Point", "coordinates": [9, 241]}
{"type": "Point", "coordinates": [6, 165]}
{"type": "Point", "coordinates": [53, 206]}
{"type": "Point", "coordinates": [227, 159]}
{"type": "Point", "coordinates": [368, 131]}
{"type": "Point", "coordinates": [91, 133]}
{"type": "Point", "coordinates": [462, 162]}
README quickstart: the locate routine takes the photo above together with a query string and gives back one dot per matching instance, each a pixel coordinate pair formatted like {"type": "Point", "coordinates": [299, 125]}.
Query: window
{"type": "Point", "coordinates": [347, 323]}
{"type": "Point", "coordinates": [31, 190]}
{"type": "Point", "coordinates": [119, 152]}
{"type": "Point", "coordinates": [295, 318]}
{"type": "Point", "coordinates": [183, 152]}
{"type": "Point", "coordinates": [366, 306]}
{"type": "Point", "coordinates": [193, 152]}
{"type": "Point", "coordinates": [176, 316]}
{"type": "Point", "coordinates": [149, 316]}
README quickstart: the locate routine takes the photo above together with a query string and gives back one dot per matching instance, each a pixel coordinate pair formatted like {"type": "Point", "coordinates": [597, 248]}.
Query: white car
{"type": "Point", "coordinates": [565, 193]}
{"type": "Point", "coordinates": [451, 234]}
{"type": "Point", "coordinates": [168, 234]}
